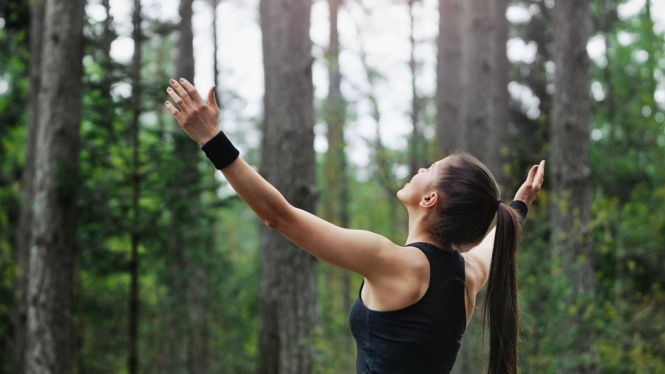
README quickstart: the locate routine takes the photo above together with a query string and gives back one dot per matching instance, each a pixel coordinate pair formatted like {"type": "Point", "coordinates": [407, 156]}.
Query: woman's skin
{"type": "Point", "coordinates": [395, 276]}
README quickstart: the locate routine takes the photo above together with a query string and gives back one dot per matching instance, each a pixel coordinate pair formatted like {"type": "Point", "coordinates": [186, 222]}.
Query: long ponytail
{"type": "Point", "coordinates": [466, 212]}
{"type": "Point", "coordinates": [501, 313]}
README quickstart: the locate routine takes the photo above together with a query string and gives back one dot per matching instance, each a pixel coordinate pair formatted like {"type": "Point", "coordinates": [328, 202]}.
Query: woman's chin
{"type": "Point", "coordinates": [401, 191]}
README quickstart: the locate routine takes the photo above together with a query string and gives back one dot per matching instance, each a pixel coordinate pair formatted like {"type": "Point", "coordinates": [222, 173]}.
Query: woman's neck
{"type": "Point", "coordinates": [419, 233]}
{"type": "Point", "coordinates": [418, 230]}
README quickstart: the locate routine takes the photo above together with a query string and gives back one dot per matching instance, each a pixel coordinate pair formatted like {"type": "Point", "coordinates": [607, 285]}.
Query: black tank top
{"type": "Point", "coordinates": [422, 338]}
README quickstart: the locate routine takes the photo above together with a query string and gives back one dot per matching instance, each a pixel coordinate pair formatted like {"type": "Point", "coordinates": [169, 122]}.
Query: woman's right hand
{"type": "Point", "coordinates": [198, 119]}
{"type": "Point", "coordinates": [534, 181]}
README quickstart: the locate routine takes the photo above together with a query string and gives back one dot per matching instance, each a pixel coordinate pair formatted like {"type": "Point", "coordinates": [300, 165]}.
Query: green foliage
{"type": "Point", "coordinates": [13, 100]}
{"type": "Point", "coordinates": [627, 222]}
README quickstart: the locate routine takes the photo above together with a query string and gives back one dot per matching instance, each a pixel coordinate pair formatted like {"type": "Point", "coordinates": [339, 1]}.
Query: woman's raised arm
{"type": "Point", "coordinates": [363, 252]}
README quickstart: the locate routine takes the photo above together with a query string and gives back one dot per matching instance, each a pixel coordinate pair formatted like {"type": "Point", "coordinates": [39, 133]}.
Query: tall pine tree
{"type": "Point", "coordinates": [24, 235]}
{"type": "Point", "coordinates": [50, 338]}
{"type": "Point", "coordinates": [287, 312]}
{"type": "Point", "coordinates": [448, 71]}
{"type": "Point", "coordinates": [571, 174]}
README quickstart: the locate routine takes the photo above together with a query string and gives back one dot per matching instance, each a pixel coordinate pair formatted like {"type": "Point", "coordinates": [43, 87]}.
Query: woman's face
{"type": "Point", "coordinates": [421, 185]}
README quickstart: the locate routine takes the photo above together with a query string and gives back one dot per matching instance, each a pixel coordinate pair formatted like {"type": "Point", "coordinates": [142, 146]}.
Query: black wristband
{"type": "Point", "coordinates": [220, 151]}
{"type": "Point", "coordinates": [521, 208]}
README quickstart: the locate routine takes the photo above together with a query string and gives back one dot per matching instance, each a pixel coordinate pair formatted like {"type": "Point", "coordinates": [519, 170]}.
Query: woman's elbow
{"type": "Point", "coordinates": [270, 222]}
{"type": "Point", "coordinates": [276, 219]}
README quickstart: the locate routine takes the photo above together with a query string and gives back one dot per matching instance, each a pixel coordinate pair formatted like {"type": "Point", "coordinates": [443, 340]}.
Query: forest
{"type": "Point", "coordinates": [123, 250]}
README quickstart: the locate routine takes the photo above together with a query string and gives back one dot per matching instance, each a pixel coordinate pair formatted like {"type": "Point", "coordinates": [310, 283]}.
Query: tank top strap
{"type": "Point", "coordinates": [445, 264]}
{"type": "Point", "coordinates": [433, 252]}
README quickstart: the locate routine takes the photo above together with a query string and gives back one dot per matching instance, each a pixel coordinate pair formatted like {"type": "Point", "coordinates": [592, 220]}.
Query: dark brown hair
{"type": "Point", "coordinates": [466, 211]}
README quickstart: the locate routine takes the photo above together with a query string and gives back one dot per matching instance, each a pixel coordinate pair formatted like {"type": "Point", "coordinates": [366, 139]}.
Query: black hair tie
{"type": "Point", "coordinates": [496, 204]}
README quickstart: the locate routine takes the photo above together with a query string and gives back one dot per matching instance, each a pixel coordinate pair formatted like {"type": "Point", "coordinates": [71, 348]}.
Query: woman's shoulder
{"type": "Point", "coordinates": [406, 281]}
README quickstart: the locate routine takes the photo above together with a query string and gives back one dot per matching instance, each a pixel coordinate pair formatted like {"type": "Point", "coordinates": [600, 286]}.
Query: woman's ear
{"type": "Point", "coordinates": [429, 200]}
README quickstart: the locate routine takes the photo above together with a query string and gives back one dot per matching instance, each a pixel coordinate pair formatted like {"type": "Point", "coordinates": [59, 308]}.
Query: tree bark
{"type": "Point", "coordinates": [653, 46]}
{"type": "Point", "coordinates": [335, 116]}
{"type": "Point", "coordinates": [500, 112]}
{"type": "Point", "coordinates": [474, 113]}
{"type": "Point", "coordinates": [24, 229]}
{"type": "Point", "coordinates": [415, 157]}
{"type": "Point", "coordinates": [570, 170]}
{"type": "Point", "coordinates": [337, 200]}
{"type": "Point", "coordinates": [185, 62]}
{"type": "Point", "coordinates": [449, 83]}
{"type": "Point", "coordinates": [188, 242]}
{"type": "Point", "coordinates": [105, 104]}
{"type": "Point", "coordinates": [215, 51]}
{"type": "Point", "coordinates": [475, 130]}
{"type": "Point", "coordinates": [50, 338]}
{"type": "Point", "coordinates": [133, 356]}
{"type": "Point", "coordinates": [287, 304]}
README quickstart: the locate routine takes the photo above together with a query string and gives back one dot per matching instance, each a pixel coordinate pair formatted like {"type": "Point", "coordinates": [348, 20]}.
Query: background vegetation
{"type": "Point", "coordinates": [196, 246]}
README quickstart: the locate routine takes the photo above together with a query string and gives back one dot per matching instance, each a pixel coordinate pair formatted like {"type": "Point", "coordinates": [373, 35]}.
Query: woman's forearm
{"type": "Point", "coordinates": [262, 197]}
{"type": "Point", "coordinates": [199, 120]}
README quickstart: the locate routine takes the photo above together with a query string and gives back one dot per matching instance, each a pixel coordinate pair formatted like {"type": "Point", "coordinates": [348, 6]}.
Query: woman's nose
{"type": "Point", "coordinates": [421, 170]}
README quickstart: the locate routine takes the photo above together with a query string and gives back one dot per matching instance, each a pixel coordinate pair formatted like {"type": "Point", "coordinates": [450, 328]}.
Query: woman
{"type": "Point", "coordinates": [415, 300]}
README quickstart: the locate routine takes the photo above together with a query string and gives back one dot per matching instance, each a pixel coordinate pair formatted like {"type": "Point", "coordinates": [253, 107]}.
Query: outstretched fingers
{"type": "Point", "coordinates": [176, 98]}
{"type": "Point", "coordinates": [180, 91]}
{"type": "Point", "coordinates": [191, 90]}
{"type": "Point", "coordinates": [172, 109]}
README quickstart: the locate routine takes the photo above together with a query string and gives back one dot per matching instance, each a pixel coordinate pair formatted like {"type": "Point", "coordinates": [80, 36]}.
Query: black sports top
{"type": "Point", "coordinates": [422, 338]}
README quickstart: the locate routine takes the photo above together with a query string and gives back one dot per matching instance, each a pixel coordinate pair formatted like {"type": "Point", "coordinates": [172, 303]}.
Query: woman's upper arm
{"type": "Point", "coordinates": [479, 259]}
{"type": "Point", "coordinates": [363, 252]}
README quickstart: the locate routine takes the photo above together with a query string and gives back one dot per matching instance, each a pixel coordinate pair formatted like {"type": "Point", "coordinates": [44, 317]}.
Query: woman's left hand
{"type": "Point", "coordinates": [534, 181]}
{"type": "Point", "coordinates": [198, 119]}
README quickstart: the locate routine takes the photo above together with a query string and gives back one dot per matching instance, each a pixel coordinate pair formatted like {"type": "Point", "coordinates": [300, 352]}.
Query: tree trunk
{"type": "Point", "coordinates": [335, 116]}
{"type": "Point", "coordinates": [449, 83]}
{"type": "Point", "coordinates": [571, 173]}
{"type": "Point", "coordinates": [653, 46]}
{"type": "Point", "coordinates": [474, 113]}
{"type": "Point", "coordinates": [190, 286]}
{"type": "Point", "coordinates": [50, 338]}
{"type": "Point", "coordinates": [287, 306]}
{"type": "Point", "coordinates": [105, 104]}
{"type": "Point", "coordinates": [500, 112]}
{"type": "Point", "coordinates": [415, 157]}
{"type": "Point", "coordinates": [215, 51]}
{"type": "Point", "coordinates": [185, 62]}
{"type": "Point", "coordinates": [474, 131]}
{"type": "Point", "coordinates": [133, 356]}
{"type": "Point", "coordinates": [336, 204]}
{"type": "Point", "coordinates": [24, 230]}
